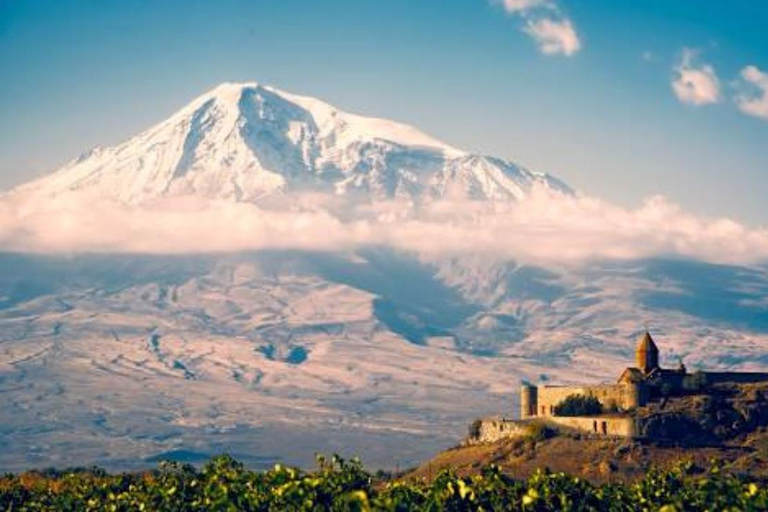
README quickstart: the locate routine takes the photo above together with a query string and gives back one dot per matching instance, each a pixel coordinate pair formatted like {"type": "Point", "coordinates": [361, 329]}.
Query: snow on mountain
{"type": "Point", "coordinates": [121, 358]}
{"type": "Point", "coordinates": [246, 142]}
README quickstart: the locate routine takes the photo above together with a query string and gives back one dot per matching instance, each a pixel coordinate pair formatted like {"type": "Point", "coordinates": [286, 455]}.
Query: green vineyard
{"type": "Point", "coordinates": [345, 485]}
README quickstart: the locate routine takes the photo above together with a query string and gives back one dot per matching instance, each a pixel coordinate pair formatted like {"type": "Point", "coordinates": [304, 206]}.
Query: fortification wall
{"type": "Point", "coordinates": [623, 396]}
{"type": "Point", "coordinates": [529, 401]}
{"type": "Point", "coordinates": [735, 377]}
{"type": "Point", "coordinates": [600, 425]}
{"type": "Point", "coordinates": [490, 430]}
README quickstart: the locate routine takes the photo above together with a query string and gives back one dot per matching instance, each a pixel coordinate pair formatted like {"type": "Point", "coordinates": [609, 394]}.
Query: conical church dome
{"type": "Point", "coordinates": [647, 353]}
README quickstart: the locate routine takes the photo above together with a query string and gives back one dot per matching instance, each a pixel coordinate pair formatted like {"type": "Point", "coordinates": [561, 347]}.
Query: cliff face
{"type": "Point", "coordinates": [727, 413]}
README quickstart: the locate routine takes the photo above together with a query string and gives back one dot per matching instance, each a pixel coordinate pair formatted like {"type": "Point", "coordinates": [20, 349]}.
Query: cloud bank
{"type": "Point", "coordinates": [553, 32]}
{"type": "Point", "coordinates": [544, 228]}
{"type": "Point", "coordinates": [695, 84]}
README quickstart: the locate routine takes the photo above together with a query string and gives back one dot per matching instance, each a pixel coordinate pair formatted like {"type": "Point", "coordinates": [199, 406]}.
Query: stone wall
{"type": "Point", "coordinates": [623, 396]}
{"type": "Point", "coordinates": [734, 377]}
{"type": "Point", "coordinates": [600, 425]}
{"type": "Point", "coordinates": [490, 430]}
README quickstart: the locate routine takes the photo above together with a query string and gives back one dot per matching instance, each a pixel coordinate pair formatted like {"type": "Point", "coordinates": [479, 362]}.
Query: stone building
{"type": "Point", "coordinates": [636, 387]}
{"type": "Point", "coordinates": [632, 390]}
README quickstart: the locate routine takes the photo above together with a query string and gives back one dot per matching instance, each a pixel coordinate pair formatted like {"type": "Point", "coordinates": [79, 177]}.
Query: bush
{"type": "Point", "coordinates": [338, 484]}
{"type": "Point", "coordinates": [538, 431]}
{"type": "Point", "coordinates": [579, 405]}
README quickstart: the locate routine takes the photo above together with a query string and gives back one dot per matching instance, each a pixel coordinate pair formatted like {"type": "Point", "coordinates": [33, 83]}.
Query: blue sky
{"type": "Point", "coordinates": [604, 117]}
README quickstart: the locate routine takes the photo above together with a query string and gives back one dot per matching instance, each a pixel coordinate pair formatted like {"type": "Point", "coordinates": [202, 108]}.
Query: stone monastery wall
{"type": "Point", "coordinates": [734, 377]}
{"type": "Point", "coordinates": [623, 396]}
{"type": "Point", "coordinates": [601, 425]}
{"type": "Point", "coordinates": [490, 430]}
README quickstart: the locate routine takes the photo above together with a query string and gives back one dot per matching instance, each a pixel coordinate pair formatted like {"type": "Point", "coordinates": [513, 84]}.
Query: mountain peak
{"type": "Point", "coordinates": [247, 141]}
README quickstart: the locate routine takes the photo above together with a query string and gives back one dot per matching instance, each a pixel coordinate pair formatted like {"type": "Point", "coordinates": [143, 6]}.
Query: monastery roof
{"type": "Point", "coordinates": [632, 375]}
{"type": "Point", "coordinates": [647, 344]}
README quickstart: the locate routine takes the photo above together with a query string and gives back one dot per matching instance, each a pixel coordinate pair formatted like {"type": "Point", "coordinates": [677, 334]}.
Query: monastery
{"type": "Point", "coordinates": [644, 384]}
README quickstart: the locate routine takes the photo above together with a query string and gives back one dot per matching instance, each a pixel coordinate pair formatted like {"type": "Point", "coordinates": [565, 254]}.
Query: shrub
{"type": "Point", "coordinates": [538, 431]}
{"type": "Point", "coordinates": [338, 484]}
{"type": "Point", "coordinates": [579, 405]}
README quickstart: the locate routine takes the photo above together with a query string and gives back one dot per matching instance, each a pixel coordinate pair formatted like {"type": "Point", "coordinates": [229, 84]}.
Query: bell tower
{"type": "Point", "coordinates": [647, 354]}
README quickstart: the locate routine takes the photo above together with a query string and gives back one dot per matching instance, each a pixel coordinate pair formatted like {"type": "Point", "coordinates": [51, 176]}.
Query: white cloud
{"type": "Point", "coordinates": [695, 85]}
{"type": "Point", "coordinates": [515, 6]}
{"type": "Point", "coordinates": [544, 228]}
{"type": "Point", "coordinates": [554, 33]}
{"type": "Point", "coordinates": [554, 36]}
{"type": "Point", "coordinates": [753, 99]}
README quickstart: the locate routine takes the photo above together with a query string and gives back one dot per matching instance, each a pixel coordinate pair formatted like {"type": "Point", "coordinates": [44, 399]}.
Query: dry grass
{"type": "Point", "coordinates": [597, 460]}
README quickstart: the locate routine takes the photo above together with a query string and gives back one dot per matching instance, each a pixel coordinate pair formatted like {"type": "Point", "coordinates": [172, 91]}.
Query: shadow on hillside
{"type": "Point", "coordinates": [728, 295]}
{"type": "Point", "coordinates": [26, 277]}
{"type": "Point", "coordinates": [411, 301]}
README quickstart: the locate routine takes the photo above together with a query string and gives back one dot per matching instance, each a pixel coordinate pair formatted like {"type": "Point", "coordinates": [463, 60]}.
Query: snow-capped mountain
{"type": "Point", "coordinates": [275, 351]}
{"type": "Point", "coordinates": [247, 142]}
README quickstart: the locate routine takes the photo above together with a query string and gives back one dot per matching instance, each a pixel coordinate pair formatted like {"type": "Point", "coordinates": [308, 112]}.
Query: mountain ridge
{"type": "Point", "coordinates": [247, 141]}
{"type": "Point", "coordinates": [254, 321]}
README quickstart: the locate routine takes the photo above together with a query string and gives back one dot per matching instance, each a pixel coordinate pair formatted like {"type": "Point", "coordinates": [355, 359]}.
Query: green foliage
{"type": "Point", "coordinates": [224, 484]}
{"type": "Point", "coordinates": [579, 405]}
{"type": "Point", "coordinates": [539, 431]}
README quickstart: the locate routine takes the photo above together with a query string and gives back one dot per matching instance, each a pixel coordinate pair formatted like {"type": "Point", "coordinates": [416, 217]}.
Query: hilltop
{"type": "Point", "coordinates": [729, 426]}
{"type": "Point", "coordinates": [597, 460]}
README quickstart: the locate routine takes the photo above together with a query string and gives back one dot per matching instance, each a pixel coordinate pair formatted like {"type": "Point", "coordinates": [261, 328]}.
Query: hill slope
{"type": "Point", "coordinates": [728, 423]}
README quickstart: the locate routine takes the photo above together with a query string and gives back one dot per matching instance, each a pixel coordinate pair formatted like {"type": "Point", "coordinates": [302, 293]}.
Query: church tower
{"type": "Point", "coordinates": [647, 354]}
